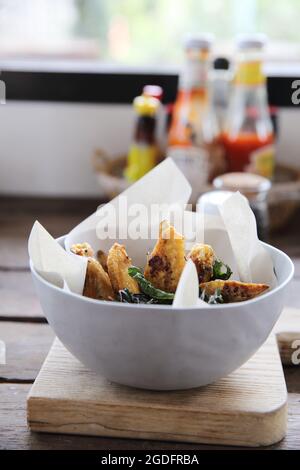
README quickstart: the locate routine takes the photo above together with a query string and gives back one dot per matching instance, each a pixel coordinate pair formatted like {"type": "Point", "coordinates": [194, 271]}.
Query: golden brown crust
{"type": "Point", "coordinates": [118, 263]}
{"type": "Point", "coordinates": [82, 249]}
{"type": "Point", "coordinates": [102, 259]}
{"type": "Point", "coordinates": [203, 257]}
{"type": "Point", "coordinates": [167, 260]}
{"type": "Point", "coordinates": [234, 291]}
{"type": "Point", "coordinates": [97, 283]}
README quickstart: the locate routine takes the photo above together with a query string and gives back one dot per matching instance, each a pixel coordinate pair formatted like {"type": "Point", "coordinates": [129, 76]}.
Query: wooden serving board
{"type": "Point", "coordinates": [247, 408]}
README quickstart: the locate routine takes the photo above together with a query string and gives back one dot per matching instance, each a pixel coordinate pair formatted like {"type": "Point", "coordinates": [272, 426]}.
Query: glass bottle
{"type": "Point", "coordinates": [194, 130]}
{"type": "Point", "coordinates": [143, 152]}
{"type": "Point", "coordinates": [249, 135]}
{"type": "Point", "coordinates": [221, 80]}
{"type": "Point", "coordinates": [155, 91]}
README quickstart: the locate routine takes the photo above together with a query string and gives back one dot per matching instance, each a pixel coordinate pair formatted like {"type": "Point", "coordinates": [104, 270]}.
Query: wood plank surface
{"type": "Point", "coordinates": [59, 216]}
{"type": "Point", "coordinates": [292, 378]}
{"type": "Point", "coordinates": [14, 433]}
{"type": "Point", "coordinates": [246, 408]}
{"type": "Point", "coordinates": [26, 348]}
{"type": "Point", "coordinates": [15, 231]}
{"type": "Point", "coordinates": [18, 298]}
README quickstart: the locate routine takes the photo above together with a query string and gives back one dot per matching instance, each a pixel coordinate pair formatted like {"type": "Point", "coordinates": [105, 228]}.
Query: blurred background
{"type": "Point", "coordinates": [80, 123]}
{"type": "Point", "coordinates": [73, 67]}
{"type": "Point", "coordinates": [132, 32]}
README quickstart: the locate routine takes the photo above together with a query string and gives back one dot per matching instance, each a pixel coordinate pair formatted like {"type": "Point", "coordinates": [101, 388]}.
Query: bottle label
{"type": "Point", "coordinates": [141, 159]}
{"type": "Point", "coordinates": [250, 73]}
{"type": "Point", "coordinates": [262, 161]}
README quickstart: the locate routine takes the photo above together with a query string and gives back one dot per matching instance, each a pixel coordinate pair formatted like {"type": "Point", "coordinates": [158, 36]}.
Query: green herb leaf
{"type": "Point", "coordinates": [133, 270]}
{"type": "Point", "coordinates": [221, 271]}
{"type": "Point", "coordinates": [126, 296]}
{"type": "Point", "coordinates": [146, 286]}
{"type": "Point", "coordinates": [216, 298]}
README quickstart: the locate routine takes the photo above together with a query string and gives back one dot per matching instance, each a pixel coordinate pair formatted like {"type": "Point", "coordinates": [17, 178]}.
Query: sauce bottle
{"type": "Point", "coordinates": [155, 91]}
{"type": "Point", "coordinates": [249, 136]}
{"type": "Point", "coordinates": [194, 127]}
{"type": "Point", "coordinates": [143, 152]}
{"type": "Point", "coordinates": [221, 81]}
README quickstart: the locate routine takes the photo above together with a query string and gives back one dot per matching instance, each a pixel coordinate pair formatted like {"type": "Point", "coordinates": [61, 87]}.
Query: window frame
{"type": "Point", "coordinates": [98, 83]}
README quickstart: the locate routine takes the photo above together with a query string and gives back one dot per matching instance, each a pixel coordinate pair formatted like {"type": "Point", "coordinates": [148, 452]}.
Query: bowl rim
{"type": "Point", "coordinates": [233, 305]}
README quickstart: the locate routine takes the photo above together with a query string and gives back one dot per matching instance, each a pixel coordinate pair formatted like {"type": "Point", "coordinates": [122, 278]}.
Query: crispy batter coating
{"type": "Point", "coordinates": [82, 249]}
{"type": "Point", "coordinates": [234, 291]}
{"type": "Point", "coordinates": [102, 259]}
{"type": "Point", "coordinates": [97, 283]}
{"type": "Point", "coordinates": [204, 257]}
{"type": "Point", "coordinates": [167, 260]}
{"type": "Point", "coordinates": [118, 263]}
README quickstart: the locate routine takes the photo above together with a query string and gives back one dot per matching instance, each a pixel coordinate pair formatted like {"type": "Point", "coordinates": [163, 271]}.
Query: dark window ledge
{"type": "Point", "coordinates": [91, 82]}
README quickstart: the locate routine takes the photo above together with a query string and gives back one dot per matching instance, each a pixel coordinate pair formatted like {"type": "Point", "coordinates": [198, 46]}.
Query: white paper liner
{"type": "Point", "coordinates": [232, 234]}
{"type": "Point", "coordinates": [167, 188]}
{"type": "Point", "coordinates": [253, 261]}
{"type": "Point", "coordinates": [53, 263]}
{"type": "Point", "coordinates": [163, 186]}
{"type": "Point", "coordinates": [187, 292]}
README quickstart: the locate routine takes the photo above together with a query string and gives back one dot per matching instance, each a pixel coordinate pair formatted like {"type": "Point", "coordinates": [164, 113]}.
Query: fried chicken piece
{"type": "Point", "coordinates": [167, 260]}
{"type": "Point", "coordinates": [82, 249]}
{"type": "Point", "coordinates": [118, 263]}
{"type": "Point", "coordinates": [97, 283]}
{"type": "Point", "coordinates": [234, 291]}
{"type": "Point", "coordinates": [203, 257]}
{"type": "Point", "coordinates": [102, 259]}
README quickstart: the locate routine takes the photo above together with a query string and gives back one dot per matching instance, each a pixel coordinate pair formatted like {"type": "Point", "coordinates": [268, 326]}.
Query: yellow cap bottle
{"type": "Point", "coordinates": [143, 152]}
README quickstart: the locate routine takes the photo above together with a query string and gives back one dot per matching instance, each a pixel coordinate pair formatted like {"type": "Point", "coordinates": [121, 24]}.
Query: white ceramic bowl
{"type": "Point", "coordinates": [158, 347]}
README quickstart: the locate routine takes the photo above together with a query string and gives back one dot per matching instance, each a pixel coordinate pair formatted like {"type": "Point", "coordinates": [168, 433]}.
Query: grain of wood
{"type": "Point", "coordinates": [292, 439]}
{"type": "Point", "coordinates": [14, 232]}
{"type": "Point", "coordinates": [26, 348]}
{"type": "Point", "coordinates": [14, 433]}
{"type": "Point", "coordinates": [247, 408]}
{"type": "Point", "coordinates": [18, 298]}
{"type": "Point", "coordinates": [27, 352]}
{"type": "Point", "coordinates": [292, 378]}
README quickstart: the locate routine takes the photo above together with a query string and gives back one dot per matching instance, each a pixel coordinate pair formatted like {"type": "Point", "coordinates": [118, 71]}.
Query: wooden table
{"type": "Point", "coordinates": [28, 336]}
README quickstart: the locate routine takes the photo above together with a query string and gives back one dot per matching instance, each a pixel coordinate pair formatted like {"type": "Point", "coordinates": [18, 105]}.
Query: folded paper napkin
{"type": "Point", "coordinates": [253, 260]}
{"type": "Point", "coordinates": [53, 263]}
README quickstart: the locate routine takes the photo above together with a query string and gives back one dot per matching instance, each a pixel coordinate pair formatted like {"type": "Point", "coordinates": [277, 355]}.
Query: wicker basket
{"type": "Point", "coordinates": [284, 197]}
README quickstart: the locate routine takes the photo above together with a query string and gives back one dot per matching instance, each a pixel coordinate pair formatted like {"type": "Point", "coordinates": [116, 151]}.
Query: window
{"type": "Point", "coordinates": [141, 32]}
